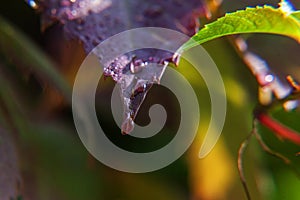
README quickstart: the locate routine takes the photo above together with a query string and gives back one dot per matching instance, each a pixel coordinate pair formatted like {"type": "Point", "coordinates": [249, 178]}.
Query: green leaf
{"type": "Point", "coordinates": [264, 19]}
{"type": "Point", "coordinates": [296, 15]}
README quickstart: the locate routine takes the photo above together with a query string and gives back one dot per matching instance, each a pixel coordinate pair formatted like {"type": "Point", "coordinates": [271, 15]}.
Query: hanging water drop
{"type": "Point", "coordinates": [136, 65]}
{"type": "Point", "coordinates": [127, 125]}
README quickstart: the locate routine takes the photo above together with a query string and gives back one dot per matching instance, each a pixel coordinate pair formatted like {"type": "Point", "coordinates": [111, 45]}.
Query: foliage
{"type": "Point", "coordinates": [55, 164]}
{"type": "Point", "coordinates": [252, 20]}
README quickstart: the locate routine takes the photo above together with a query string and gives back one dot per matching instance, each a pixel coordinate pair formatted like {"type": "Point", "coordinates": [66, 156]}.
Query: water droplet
{"type": "Point", "coordinates": [74, 12]}
{"type": "Point", "coordinates": [127, 126]}
{"type": "Point", "coordinates": [32, 4]}
{"type": "Point", "coordinates": [136, 65]}
{"type": "Point", "coordinates": [176, 59]}
{"type": "Point", "coordinates": [265, 78]}
{"type": "Point", "coordinates": [269, 78]}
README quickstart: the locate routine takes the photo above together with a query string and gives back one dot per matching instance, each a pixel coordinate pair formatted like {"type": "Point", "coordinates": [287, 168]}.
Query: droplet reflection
{"type": "Point", "coordinates": [32, 4]}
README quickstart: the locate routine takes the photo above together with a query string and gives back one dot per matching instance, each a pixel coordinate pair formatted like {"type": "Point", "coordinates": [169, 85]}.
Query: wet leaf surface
{"type": "Point", "coordinates": [93, 21]}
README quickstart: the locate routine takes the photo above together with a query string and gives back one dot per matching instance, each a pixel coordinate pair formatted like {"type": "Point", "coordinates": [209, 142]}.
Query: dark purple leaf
{"type": "Point", "coordinates": [92, 21]}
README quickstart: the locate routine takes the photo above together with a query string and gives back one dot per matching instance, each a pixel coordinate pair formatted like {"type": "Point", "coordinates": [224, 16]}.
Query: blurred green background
{"type": "Point", "coordinates": [42, 157]}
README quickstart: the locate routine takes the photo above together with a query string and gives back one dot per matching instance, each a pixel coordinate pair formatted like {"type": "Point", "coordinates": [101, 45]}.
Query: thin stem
{"type": "Point", "coordinates": [267, 149]}
{"type": "Point", "coordinates": [242, 149]}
